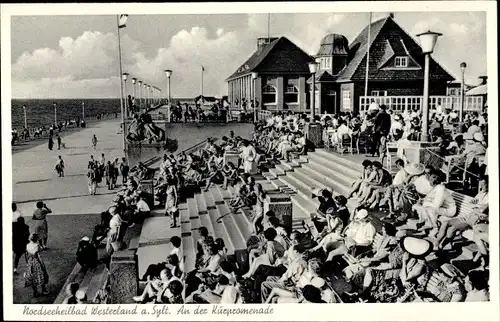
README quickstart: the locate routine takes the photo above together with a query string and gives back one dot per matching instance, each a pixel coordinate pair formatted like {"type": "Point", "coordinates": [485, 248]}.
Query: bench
{"type": "Point", "coordinates": [93, 281]}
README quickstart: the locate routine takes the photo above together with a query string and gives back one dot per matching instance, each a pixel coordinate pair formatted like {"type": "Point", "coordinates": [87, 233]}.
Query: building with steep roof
{"type": "Point", "coordinates": [282, 70]}
{"type": "Point", "coordinates": [396, 68]}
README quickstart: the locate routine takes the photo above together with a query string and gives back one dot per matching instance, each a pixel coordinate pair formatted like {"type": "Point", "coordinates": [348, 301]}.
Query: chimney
{"type": "Point", "coordinates": [484, 80]}
{"type": "Point", "coordinates": [262, 41]}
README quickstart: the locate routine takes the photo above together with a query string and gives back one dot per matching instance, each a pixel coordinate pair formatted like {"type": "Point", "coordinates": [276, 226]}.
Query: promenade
{"type": "Point", "coordinates": [75, 212]}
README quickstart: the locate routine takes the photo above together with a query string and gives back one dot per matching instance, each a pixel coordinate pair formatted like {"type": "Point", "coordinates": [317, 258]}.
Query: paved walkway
{"type": "Point", "coordinates": [34, 177]}
{"type": "Point", "coordinates": [75, 212]}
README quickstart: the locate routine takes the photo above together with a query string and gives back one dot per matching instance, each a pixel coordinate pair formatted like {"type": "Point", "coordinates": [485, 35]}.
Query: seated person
{"type": "Point", "coordinates": [273, 251]}
{"type": "Point", "coordinates": [373, 189]}
{"type": "Point", "coordinates": [86, 254]}
{"type": "Point", "coordinates": [358, 234]}
{"type": "Point", "coordinates": [476, 284]}
{"type": "Point", "coordinates": [394, 190]}
{"type": "Point", "coordinates": [336, 218]}
{"type": "Point", "coordinates": [465, 221]}
{"type": "Point", "coordinates": [436, 204]}
{"type": "Point", "coordinates": [156, 287]}
{"type": "Point", "coordinates": [358, 185]}
{"type": "Point", "coordinates": [280, 288]}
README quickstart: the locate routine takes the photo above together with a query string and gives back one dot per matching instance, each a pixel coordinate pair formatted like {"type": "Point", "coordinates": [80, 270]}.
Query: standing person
{"type": "Point", "coordinates": [116, 167]}
{"type": "Point", "coordinates": [92, 178]}
{"type": "Point", "coordinates": [171, 202]}
{"type": "Point", "coordinates": [124, 169]}
{"type": "Point", "coordinates": [60, 167]}
{"type": "Point", "coordinates": [36, 275]}
{"type": "Point", "coordinates": [248, 155]}
{"type": "Point", "coordinates": [94, 141]}
{"type": "Point", "coordinates": [108, 170]}
{"type": "Point", "coordinates": [382, 127]}
{"type": "Point", "coordinates": [41, 229]}
{"type": "Point", "coordinates": [15, 212]}
{"type": "Point", "coordinates": [102, 164]}
{"type": "Point", "coordinates": [51, 143]}
{"type": "Point", "coordinates": [20, 238]}
{"type": "Point", "coordinates": [59, 141]}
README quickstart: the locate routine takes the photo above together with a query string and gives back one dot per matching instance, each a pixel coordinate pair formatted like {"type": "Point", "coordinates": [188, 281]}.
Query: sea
{"type": "Point", "coordinates": [40, 112]}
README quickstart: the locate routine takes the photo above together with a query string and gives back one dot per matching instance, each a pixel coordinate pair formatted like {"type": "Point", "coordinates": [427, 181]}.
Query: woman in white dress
{"type": "Point", "coordinates": [171, 201]}
{"type": "Point", "coordinates": [248, 155]}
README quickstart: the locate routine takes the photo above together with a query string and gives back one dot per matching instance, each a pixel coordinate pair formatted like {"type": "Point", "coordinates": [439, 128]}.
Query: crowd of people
{"type": "Point", "coordinates": [346, 253]}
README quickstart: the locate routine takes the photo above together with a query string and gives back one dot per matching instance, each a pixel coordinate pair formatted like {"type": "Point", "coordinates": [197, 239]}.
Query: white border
{"type": "Point", "coordinates": [303, 312]}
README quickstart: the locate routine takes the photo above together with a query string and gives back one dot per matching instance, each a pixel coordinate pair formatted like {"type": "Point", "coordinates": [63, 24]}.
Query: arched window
{"type": "Point", "coordinates": [269, 94]}
{"type": "Point", "coordinates": [291, 95]}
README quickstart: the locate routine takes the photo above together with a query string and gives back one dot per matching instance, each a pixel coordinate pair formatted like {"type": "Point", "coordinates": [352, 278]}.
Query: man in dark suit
{"type": "Point", "coordinates": [382, 126]}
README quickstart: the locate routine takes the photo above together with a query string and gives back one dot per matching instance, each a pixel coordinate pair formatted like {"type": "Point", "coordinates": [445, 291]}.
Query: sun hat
{"type": "Point", "coordinates": [416, 247]}
{"type": "Point", "coordinates": [414, 168]}
{"type": "Point", "coordinates": [81, 295]}
{"type": "Point", "coordinates": [478, 136]}
{"type": "Point", "coordinates": [317, 282]}
{"type": "Point", "coordinates": [85, 238]}
{"type": "Point", "coordinates": [361, 214]}
{"type": "Point", "coordinates": [397, 117]}
{"type": "Point", "coordinates": [450, 270]}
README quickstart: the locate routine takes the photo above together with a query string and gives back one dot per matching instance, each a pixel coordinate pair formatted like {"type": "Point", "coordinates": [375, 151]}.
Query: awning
{"type": "Point", "coordinates": [478, 90]}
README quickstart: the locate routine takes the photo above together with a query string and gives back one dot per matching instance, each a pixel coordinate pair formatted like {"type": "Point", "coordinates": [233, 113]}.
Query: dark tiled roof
{"type": "Point", "coordinates": [254, 60]}
{"type": "Point", "coordinates": [388, 54]}
{"type": "Point", "coordinates": [358, 48]}
{"type": "Point", "coordinates": [270, 59]}
{"type": "Point", "coordinates": [324, 76]}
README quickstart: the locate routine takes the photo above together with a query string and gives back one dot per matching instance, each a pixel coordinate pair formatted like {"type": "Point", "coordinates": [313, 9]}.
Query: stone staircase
{"type": "Point", "coordinates": [318, 169]}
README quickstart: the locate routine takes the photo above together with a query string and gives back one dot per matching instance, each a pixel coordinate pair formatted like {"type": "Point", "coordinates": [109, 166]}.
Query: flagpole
{"type": "Point", "coordinates": [121, 85]}
{"type": "Point", "coordinates": [202, 70]}
{"type": "Point", "coordinates": [368, 55]}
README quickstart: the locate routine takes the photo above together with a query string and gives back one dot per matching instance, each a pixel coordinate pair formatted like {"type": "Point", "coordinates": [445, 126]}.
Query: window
{"type": "Point", "coordinates": [379, 93]}
{"type": "Point", "coordinates": [346, 100]}
{"type": "Point", "coordinates": [269, 95]}
{"type": "Point", "coordinates": [329, 63]}
{"type": "Point", "coordinates": [291, 95]}
{"type": "Point", "coordinates": [401, 61]}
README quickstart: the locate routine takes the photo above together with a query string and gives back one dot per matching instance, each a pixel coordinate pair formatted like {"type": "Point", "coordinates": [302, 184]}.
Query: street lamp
{"type": "Point", "coordinates": [428, 41]}
{"type": "Point", "coordinates": [55, 114]}
{"type": "Point", "coordinates": [125, 77]}
{"type": "Point", "coordinates": [83, 112]}
{"type": "Point", "coordinates": [25, 119]}
{"type": "Point", "coordinates": [463, 65]}
{"type": "Point", "coordinates": [146, 95]}
{"type": "Point", "coordinates": [168, 73]}
{"type": "Point", "coordinates": [134, 80]}
{"type": "Point", "coordinates": [313, 66]}
{"type": "Point", "coordinates": [254, 77]}
{"type": "Point", "coordinates": [140, 92]}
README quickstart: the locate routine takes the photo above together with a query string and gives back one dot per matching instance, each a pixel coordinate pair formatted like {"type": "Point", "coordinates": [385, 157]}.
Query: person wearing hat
{"type": "Point", "coordinates": [358, 234]}
{"type": "Point", "coordinates": [397, 127]}
{"type": "Point", "coordinates": [468, 158]}
{"type": "Point", "coordinates": [436, 204]}
{"type": "Point", "coordinates": [446, 284]}
{"type": "Point", "coordinates": [467, 220]}
{"type": "Point", "coordinates": [414, 269]}
{"type": "Point", "coordinates": [86, 254]}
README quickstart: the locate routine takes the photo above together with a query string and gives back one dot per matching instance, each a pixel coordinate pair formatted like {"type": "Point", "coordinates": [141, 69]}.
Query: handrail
{"type": "Point", "coordinates": [434, 153]}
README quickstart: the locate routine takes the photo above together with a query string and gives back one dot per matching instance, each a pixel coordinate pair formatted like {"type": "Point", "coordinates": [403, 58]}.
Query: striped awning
{"type": "Point", "coordinates": [478, 90]}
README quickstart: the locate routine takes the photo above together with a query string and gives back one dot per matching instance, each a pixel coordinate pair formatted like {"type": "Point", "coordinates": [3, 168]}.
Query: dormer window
{"type": "Point", "coordinates": [401, 61]}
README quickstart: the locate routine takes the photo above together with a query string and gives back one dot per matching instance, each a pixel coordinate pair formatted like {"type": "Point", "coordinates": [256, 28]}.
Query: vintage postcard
{"type": "Point", "coordinates": [301, 161]}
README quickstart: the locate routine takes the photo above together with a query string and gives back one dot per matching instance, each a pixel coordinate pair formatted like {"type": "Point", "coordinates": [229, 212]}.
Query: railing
{"type": "Point", "coordinates": [407, 103]}
{"type": "Point", "coordinates": [45, 130]}
{"type": "Point", "coordinates": [263, 115]}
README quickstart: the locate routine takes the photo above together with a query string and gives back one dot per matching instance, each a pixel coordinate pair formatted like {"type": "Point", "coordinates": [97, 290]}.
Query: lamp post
{"type": "Point", "coordinates": [168, 73]}
{"type": "Point", "coordinates": [140, 92]}
{"type": "Point", "coordinates": [134, 80]}
{"type": "Point", "coordinates": [83, 112]}
{"type": "Point", "coordinates": [25, 119]}
{"type": "Point", "coordinates": [313, 66]}
{"type": "Point", "coordinates": [463, 65]}
{"type": "Point", "coordinates": [254, 77]}
{"type": "Point", "coordinates": [146, 95]}
{"type": "Point", "coordinates": [55, 114]}
{"type": "Point", "coordinates": [125, 77]}
{"type": "Point", "coordinates": [428, 41]}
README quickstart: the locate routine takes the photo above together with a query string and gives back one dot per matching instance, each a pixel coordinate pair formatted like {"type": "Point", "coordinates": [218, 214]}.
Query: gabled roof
{"type": "Point", "coordinates": [258, 62]}
{"type": "Point", "coordinates": [257, 57]}
{"type": "Point", "coordinates": [324, 76]}
{"type": "Point", "coordinates": [359, 46]}
{"type": "Point", "coordinates": [478, 90]}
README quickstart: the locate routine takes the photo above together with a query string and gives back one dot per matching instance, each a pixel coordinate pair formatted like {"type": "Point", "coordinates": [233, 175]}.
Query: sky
{"type": "Point", "coordinates": [77, 56]}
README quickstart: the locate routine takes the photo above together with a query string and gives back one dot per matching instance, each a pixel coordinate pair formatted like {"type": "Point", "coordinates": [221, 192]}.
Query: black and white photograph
{"type": "Point", "coordinates": [181, 157]}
